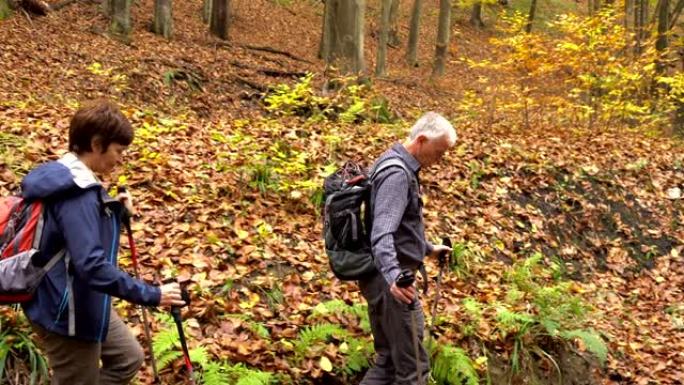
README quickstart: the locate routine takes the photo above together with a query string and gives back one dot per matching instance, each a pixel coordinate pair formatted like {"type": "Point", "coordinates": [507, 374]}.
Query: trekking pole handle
{"type": "Point", "coordinates": [129, 211]}
{"type": "Point", "coordinates": [406, 279]}
{"type": "Point", "coordinates": [444, 255]}
{"type": "Point", "coordinates": [185, 296]}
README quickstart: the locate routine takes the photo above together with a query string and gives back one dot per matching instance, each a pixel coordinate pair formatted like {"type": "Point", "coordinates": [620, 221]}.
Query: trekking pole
{"type": "Point", "coordinates": [443, 263]}
{"type": "Point", "coordinates": [176, 312]}
{"type": "Point", "coordinates": [406, 279]}
{"type": "Point", "coordinates": [134, 257]}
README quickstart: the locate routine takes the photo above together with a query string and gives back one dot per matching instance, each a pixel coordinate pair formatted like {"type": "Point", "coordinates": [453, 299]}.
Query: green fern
{"type": "Point", "coordinates": [592, 340]}
{"type": "Point", "coordinates": [254, 378]}
{"type": "Point", "coordinates": [166, 358]}
{"type": "Point", "coordinates": [510, 321]}
{"type": "Point", "coordinates": [317, 333]}
{"type": "Point", "coordinates": [452, 366]}
{"type": "Point", "coordinates": [165, 344]}
{"type": "Point", "coordinates": [200, 356]}
{"type": "Point", "coordinates": [358, 354]}
{"type": "Point", "coordinates": [243, 375]}
{"type": "Point", "coordinates": [214, 374]}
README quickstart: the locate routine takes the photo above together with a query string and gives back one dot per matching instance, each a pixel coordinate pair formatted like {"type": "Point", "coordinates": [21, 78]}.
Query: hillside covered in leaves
{"type": "Point", "coordinates": [562, 196]}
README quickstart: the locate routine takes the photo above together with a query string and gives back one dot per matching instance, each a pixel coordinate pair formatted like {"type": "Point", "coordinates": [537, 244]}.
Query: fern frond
{"type": "Point", "coordinates": [166, 340]}
{"type": "Point", "coordinates": [591, 340]}
{"type": "Point", "coordinates": [200, 355]}
{"type": "Point", "coordinates": [452, 366]}
{"type": "Point", "coordinates": [214, 374]}
{"type": "Point", "coordinates": [317, 333]}
{"type": "Point", "coordinates": [166, 358]}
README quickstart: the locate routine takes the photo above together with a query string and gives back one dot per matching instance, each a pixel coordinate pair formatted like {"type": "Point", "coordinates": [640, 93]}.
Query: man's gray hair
{"type": "Point", "coordinates": [434, 126]}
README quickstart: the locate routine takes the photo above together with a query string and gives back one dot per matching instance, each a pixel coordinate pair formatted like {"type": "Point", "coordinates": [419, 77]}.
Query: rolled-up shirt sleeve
{"type": "Point", "coordinates": [391, 198]}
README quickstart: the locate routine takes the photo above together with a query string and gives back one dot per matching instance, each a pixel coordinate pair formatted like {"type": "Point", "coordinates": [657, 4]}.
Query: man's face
{"type": "Point", "coordinates": [432, 150]}
{"type": "Point", "coordinates": [105, 162]}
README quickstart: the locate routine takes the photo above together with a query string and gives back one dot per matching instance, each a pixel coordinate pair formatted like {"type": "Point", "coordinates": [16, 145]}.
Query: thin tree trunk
{"type": "Point", "coordinates": [163, 18]}
{"type": "Point", "coordinates": [530, 18]}
{"type": "Point", "coordinates": [443, 30]}
{"type": "Point", "coordinates": [412, 50]}
{"type": "Point", "coordinates": [383, 37]}
{"type": "Point", "coordinates": [590, 7]}
{"type": "Point", "coordinates": [644, 18]}
{"type": "Point", "coordinates": [121, 17]}
{"type": "Point", "coordinates": [394, 39]}
{"type": "Point", "coordinates": [663, 30]}
{"type": "Point", "coordinates": [637, 27]}
{"type": "Point", "coordinates": [359, 14]}
{"type": "Point", "coordinates": [476, 16]}
{"type": "Point", "coordinates": [676, 13]}
{"type": "Point", "coordinates": [629, 6]}
{"type": "Point", "coordinates": [220, 18]}
{"type": "Point", "coordinates": [327, 32]}
{"type": "Point", "coordinates": [206, 11]}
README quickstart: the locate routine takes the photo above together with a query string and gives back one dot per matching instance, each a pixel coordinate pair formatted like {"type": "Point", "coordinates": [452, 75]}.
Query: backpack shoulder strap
{"type": "Point", "coordinates": [390, 162]}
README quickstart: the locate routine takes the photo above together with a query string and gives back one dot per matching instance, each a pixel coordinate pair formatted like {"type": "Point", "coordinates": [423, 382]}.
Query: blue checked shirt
{"type": "Point", "coordinates": [398, 233]}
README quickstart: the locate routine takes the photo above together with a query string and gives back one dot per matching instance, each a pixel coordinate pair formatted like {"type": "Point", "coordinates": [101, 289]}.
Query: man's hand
{"type": "Point", "coordinates": [171, 295]}
{"type": "Point", "coordinates": [127, 200]}
{"type": "Point", "coordinates": [403, 294]}
{"type": "Point", "coordinates": [439, 250]}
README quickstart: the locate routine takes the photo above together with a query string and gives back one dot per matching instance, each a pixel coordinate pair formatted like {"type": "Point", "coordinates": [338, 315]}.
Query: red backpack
{"type": "Point", "coordinates": [21, 230]}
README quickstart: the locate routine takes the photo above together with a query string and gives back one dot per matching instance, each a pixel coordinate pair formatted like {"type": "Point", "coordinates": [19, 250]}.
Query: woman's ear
{"type": "Point", "coordinates": [96, 145]}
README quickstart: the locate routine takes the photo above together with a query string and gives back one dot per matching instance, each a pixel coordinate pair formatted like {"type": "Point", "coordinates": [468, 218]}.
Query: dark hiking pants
{"type": "Point", "coordinates": [395, 362]}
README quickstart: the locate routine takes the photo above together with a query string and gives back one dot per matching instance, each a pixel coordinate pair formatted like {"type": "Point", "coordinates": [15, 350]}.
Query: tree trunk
{"type": "Point", "coordinates": [163, 18]}
{"type": "Point", "coordinates": [676, 12]}
{"type": "Point", "coordinates": [412, 50]}
{"type": "Point", "coordinates": [443, 30]}
{"type": "Point", "coordinates": [206, 11]}
{"type": "Point", "coordinates": [640, 18]}
{"type": "Point", "coordinates": [628, 11]}
{"type": "Point", "coordinates": [663, 29]}
{"type": "Point", "coordinates": [324, 45]}
{"type": "Point", "coordinates": [106, 7]}
{"type": "Point", "coordinates": [590, 7]}
{"type": "Point", "coordinates": [383, 37]}
{"type": "Point", "coordinates": [476, 16]}
{"type": "Point", "coordinates": [121, 17]}
{"type": "Point", "coordinates": [637, 27]}
{"type": "Point", "coordinates": [220, 18]}
{"type": "Point", "coordinates": [394, 40]}
{"type": "Point", "coordinates": [343, 34]}
{"type": "Point", "coordinates": [530, 18]}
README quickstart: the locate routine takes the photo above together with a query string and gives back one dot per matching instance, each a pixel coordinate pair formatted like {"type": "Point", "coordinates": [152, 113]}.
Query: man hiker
{"type": "Point", "coordinates": [398, 245]}
{"type": "Point", "coordinates": [71, 311]}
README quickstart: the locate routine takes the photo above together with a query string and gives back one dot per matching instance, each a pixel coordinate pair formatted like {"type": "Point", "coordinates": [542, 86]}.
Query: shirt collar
{"type": "Point", "coordinates": [409, 159]}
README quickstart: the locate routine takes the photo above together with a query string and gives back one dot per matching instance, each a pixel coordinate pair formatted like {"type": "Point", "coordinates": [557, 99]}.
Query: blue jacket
{"type": "Point", "coordinates": [74, 299]}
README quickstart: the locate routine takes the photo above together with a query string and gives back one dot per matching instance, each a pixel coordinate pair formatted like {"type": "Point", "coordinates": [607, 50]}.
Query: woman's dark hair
{"type": "Point", "coordinates": [101, 119]}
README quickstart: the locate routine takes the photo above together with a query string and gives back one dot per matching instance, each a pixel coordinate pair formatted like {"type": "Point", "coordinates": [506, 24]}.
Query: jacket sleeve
{"type": "Point", "coordinates": [79, 220]}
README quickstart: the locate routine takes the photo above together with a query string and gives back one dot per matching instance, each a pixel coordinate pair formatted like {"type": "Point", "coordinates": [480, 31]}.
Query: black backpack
{"type": "Point", "coordinates": [348, 219]}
